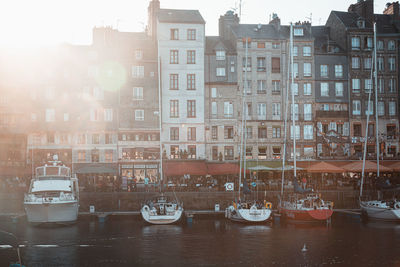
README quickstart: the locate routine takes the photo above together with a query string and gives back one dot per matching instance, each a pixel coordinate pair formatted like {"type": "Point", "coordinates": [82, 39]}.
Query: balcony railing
{"type": "Point", "coordinates": [331, 114]}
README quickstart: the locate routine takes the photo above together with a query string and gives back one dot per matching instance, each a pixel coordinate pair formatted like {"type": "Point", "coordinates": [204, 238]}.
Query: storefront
{"type": "Point", "coordinates": [140, 171]}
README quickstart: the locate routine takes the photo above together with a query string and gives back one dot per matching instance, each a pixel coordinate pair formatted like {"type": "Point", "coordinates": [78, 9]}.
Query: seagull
{"type": "Point", "coordinates": [304, 249]}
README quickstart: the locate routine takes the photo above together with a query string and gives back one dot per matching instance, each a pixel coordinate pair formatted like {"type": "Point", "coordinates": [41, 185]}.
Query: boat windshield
{"type": "Point", "coordinates": [52, 171]}
{"type": "Point", "coordinates": [50, 185]}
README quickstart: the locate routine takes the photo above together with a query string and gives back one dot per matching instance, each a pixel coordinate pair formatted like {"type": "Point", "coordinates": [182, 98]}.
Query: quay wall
{"type": "Point", "coordinates": [131, 201]}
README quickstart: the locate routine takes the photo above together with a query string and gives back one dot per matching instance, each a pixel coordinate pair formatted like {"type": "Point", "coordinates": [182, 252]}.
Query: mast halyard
{"type": "Point", "coordinates": [293, 109]}
{"type": "Point", "coordinates": [160, 115]}
{"type": "Point", "coordinates": [376, 105]}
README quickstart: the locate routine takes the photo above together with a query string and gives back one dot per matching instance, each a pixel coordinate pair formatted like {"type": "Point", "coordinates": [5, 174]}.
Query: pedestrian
{"type": "Point", "coordinates": [304, 182]}
{"type": "Point", "coordinates": [146, 183]}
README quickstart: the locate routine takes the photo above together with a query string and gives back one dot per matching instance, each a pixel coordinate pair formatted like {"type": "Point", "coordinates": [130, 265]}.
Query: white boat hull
{"type": "Point", "coordinates": [248, 215]}
{"type": "Point", "coordinates": [60, 212]}
{"type": "Point", "coordinates": [375, 210]}
{"type": "Point", "coordinates": [149, 217]}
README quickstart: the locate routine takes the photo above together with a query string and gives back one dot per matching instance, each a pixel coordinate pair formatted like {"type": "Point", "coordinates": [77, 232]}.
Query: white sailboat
{"type": "Point", "coordinates": [308, 207]}
{"type": "Point", "coordinates": [53, 195]}
{"type": "Point", "coordinates": [250, 211]}
{"type": "Point", "coordinates": [161, 210]}
{"type": "Point", "coordinates": [387, 210]}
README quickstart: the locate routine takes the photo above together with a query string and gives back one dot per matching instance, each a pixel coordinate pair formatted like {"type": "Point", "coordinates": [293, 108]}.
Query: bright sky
{"type": "Point", "coordinates": [38, 22]}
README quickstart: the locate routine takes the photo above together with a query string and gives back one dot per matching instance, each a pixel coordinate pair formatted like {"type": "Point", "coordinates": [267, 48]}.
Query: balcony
{"type": "Point", "coordinates": [332, 114]}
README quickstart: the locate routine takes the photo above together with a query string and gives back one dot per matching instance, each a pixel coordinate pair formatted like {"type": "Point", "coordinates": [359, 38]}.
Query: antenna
{"type": "Point", "coordinates": [240, 9]}
{"type": "Point", "coordinates": [310, 18]}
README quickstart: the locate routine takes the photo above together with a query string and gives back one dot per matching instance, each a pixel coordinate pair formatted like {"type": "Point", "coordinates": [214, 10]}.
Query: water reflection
{"type": "Point", "coordinates": [161, 230]}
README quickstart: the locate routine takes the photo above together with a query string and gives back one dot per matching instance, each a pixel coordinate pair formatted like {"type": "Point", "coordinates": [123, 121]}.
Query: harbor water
{"type": "Point", "coordinates": [128, 241]}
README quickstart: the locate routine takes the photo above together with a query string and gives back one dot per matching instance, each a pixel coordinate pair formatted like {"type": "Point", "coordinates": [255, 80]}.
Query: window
{"type": "Point", "coordinates": [380, 45]}
{"type": "Point", "coordinates": [137, 71]}
{"type": "Point", "coordinates": [174, 108]}
{"type": "Point", "coordinates": [295, 51]}
{"type": "Point", "coordinates": [139, 115]}
{"type": "Point", "coordinates": [338, 71]}
{"type": "Point", "coordinates": [50, 138]}
{"type": "Point", "coordinates": [298, 32]}
{"type": "Point", "coordinates": [307, 112]}
{"type": "Point", "coordinates": [392, 64]}
{"type": "Point", "coordinates": [262, 132]}
{"type": "Point", "coordinates": [297, 127]}
{"type": "Point", "coordinates": [262, 152]}
{"type": "Point", "coordinates": [138, 93]}
{"type": "Point", "coordinates": [214, 110]}
{"type": "Point", "coordinates": [296, 70]}
{"type": "Point", "coordinates": [33, 116]}
{"type": "Point", "coordinates": [108, 138]}
{"type": "Point", "coordinates": [381, 64]}
{"type": "Point", "coordinates": [308, 132]}
{"type": "Point", "coordinates": [191, 34]}
{"type": "Point", "coordinates": [174, 150]}
{"type": "Point", "coordinates": [213, 92]}
{"type": "Point", "coordinates": [324, 89]}
{"type": "Point", "coordinates": [276, 110]}
{"type": "Point", "coordinates": [391, 45]}
{"type": "Point", "coordinates": [392, 85]}
{"type": "Point", "coordinates": [138, 54]}
{"type": "Point", "coordinates": [296, 111]}
{"type": "Point", "coordinates": [191, 134]}
{"type": "Point", "coordinates": [108, 114]}
{"type": "Point", "coordinates": [355, 43]}
{"type": "Point", "coordinates": [368, 43]}
{"type": "Point", "coordinates": [81, 139]}
{"type": "Point", "coordinates": [249, 132]}
{"type": "Point", "coordinates": [261, 64]}
{"type": "Point", "coordinates": [260, 45]}
{"type": "Point", "coordinates": [228, 109]}
{"type": "Point", "coordinates": [248, 86]}
{"type": "Point", "coordinates": [392, 108]}
{"type": "Point", "coordinates": [276, 87]}
{"type": "Point", "coordinates": [108, 155]}
{"type": "Point", "coordinates": [174, 34]}
{"type": "Point", "coordinates": [357, 129]}
{"type": "Point", "coordinates": [369, 107]}
{"type": "Point", "coordinates": [220, 72]}
{"type": "Point", "coordinates": [220, 55]}
{"type": "Point", "coordinates": [50, 115]}
{"type": "Point", "coordinates": [191, 108]}
{"type": "Point", "coordinates": [276, 45]}
{"type": "Point", "coordinates": [174, 57]}
{"type": "Point", "coordinates": [307, 88]}
{"type": "Point", "coordinates": [49, 93]}
{"type": "Point", "coordinates": [214, 132]}
{"type": "Point", "coordinates": [192, 152]}
{"type": "Point", "coordinates": [228, 132]}
{"type": "Point", "coordinates": [339, 89]}
{"type": "Point", "coordinates": [307, 51]}
{"type": "Point", "coordinates": [191, 57]}
{"type": "Point", "coordinates": [95, 139]}
{"type": "Point", "coordinates": [367, 63]}
{"type": "Point", "coordinates": [355, 62]}
{"type": "Point", "coordinates": [174, 133]}
{"type": "Point", "coordinates": [228, 152]}
{"type": "Point", "coordinates": [381, 83]}
{"type": "Point", "coordinates": [191, 81]}
{"type": "Point", "coordinates": [295, 87]}
{"type": "Point", "coordinates": [356, 85]}
{"type": "Point", "coordinates": [276, 132]}
{"type": "Point", "coordinates": [356, 107]}
{"type": "Point", "coordinates": [261, 86]}
{"type": "Point", "coordinates": [324, 70]}
{"type": "Point", "coordinates": [276, 65]}
{"type": "Point", "coordinates": [174, 81]}
{"type": "Point", "coordinates": [81, 155]}
{"type": "Point", "coordinates": [307, 69]}
{"type": "Point", "coordinates": [95, 114]}
{"type": "Point", "coordinates": [262, 111]}
{"type": "Point", "coordinates": [381, 108]}
{"type": "Point", "coordinates": [248, 109]}
{"type": "Point", "coordinates": [367, 85]}
{"type": "Point", "coordinates": [66, 116]}
{"type": "Point", "coordinates": [248, 63]}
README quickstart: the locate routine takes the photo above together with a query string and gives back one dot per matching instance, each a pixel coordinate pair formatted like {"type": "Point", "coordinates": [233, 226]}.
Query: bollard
{"type": "Point", "coordinates": [91, 209]}
{"type": "Point", "coordinates": [189, 218]}
{"type": "Point", "coordinates": [216, 208]}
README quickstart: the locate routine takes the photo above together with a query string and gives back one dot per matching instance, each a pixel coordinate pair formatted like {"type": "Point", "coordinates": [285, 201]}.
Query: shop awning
{"type": "Point", "coordinates": [394, 165]}
{"type": "Point", "coordinates": [177, 168]}
{"type": "Point", "coordinates": [222, 168]}
{"type": "Point", "coordinates": [370, 166]}
{"type": "Point", "coordinates": [106, 169]}
{"type": "Point", "coordinates": [322, 166]}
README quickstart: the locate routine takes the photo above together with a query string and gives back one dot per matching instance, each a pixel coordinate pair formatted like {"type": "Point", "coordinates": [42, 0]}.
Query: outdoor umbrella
{"type": "Point", "coordinates": [323, 166]}
{"type": "Point", "coordinates": [370, 166]}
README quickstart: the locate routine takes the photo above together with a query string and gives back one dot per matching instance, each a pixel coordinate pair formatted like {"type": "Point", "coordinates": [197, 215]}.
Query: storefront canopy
{"type": "Point", "coordinates": [322, 166]}
{"type": "Point", "coordinates": [96, 169]}
{"type": "Point", "coordinates": [222, 168]}
{"type": "Point", "coordinates": [178, 168]}
{"type": "Point", "coordinates": [370, 166]}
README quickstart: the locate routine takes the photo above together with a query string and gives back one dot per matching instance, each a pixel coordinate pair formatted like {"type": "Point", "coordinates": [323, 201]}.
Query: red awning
{"type": "Point", "coordinates": [325, 167]}
{"type": "Point", "coordinates": [222, 168]}
{"type": "Point", "coordinates": [370, 166]}
{"type": "Point", "coordinates": [177, 168]}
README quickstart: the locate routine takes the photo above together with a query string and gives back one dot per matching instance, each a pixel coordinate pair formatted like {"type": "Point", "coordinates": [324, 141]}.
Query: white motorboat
{"type": "Point", "coordinates": [381, 210]}
{"type": "Point", "coordinates": [53, 195]}
{"type": "Point", "coordinates": [161, 211]}
{"type": "Point", "coordinates": [249, 212]}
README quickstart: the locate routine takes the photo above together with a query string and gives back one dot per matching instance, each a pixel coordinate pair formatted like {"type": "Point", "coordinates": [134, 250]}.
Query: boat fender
{"type": "Point", "coordinates": [146, 208]}
{"type": "Point", "coordinates": [234, 205]}
{"type": "Point", "coordinates": [268, 205]}
{"type": "Point", "coordinates": [397, 206]}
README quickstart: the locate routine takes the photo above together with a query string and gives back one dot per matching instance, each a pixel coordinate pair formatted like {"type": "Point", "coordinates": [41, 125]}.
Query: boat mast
{"type": "Point", "coordinates": [376, 104]}
{"type": "Point", "coordinates": [293, 110]}
{"type": "Point", "coordinates": [160, 113]}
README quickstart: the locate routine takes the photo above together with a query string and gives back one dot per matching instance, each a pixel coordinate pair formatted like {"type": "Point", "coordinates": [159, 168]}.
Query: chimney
{"type": "Point", "coordinates": [392, 9]}
{"type": "Point", "coordinates": [276, 21]}
{"type": "Point", "coordinates": [364, 8]}
{"type": "Point", "coordinates": [225, 24]}
{"type": "Point", "coordinates": [152, 11]}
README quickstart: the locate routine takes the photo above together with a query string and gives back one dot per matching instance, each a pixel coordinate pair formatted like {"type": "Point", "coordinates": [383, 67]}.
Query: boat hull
{"type": "Point", "coordinates": [309, 215]}
{"type": "Point", "coordinates": [64, 212]}
{"type": "Point", "coordinates": [248, 215]}
{"type": "Point", "coordinates": [380, 213]}
{"type": "Point", "coordinates": [161, 219]}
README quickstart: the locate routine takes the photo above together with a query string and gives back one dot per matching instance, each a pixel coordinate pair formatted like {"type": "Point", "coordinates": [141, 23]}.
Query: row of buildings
{"type": "Point", "coordinates": [98, 107]}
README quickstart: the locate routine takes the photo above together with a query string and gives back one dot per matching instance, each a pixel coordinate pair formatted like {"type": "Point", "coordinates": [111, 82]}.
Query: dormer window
{"type": "Point", "coordinates": [220, 55]}
{"type": "Point", "coordinates": [361, 23]}
{"type": "Point", "coordinates": [298, 32]}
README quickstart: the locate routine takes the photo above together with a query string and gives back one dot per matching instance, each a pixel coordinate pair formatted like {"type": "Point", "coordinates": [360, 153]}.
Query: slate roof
{"type": "Point", "coordinates": [180, 16]}
{"type": "Point", "coordinates": [212, 41]}
{"type": "Point", "coordinates": [267, 31]}
{"type": "Point", "coordinates": [349, 19]}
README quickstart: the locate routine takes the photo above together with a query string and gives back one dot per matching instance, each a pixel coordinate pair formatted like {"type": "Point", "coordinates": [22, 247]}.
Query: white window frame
{"type": "Point", "coordinates": [220, 72]}
{"type": "Point", "coordinates": [307, 89]}
{"type": "Point", "coordinates": [139, 115]}
{"type": "Point", "coordinates": [137, 93]}
{"type": "Point", "coordinates": [324, 89]}
{"type": "Point", "coordinates": [339, 89]}
{"type": "Point", "coordinates": [356, 107]}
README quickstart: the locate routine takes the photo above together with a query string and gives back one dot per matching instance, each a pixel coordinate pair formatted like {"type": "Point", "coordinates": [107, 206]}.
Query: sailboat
{"type": "Point", "coordinates": [161, 210]}
{"type": "Point", "coordinates": [304, 205]}
{"type": "Point", "coordinates": [247, 211]}
{"type": "Point", "coordinates": [387, 210]}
